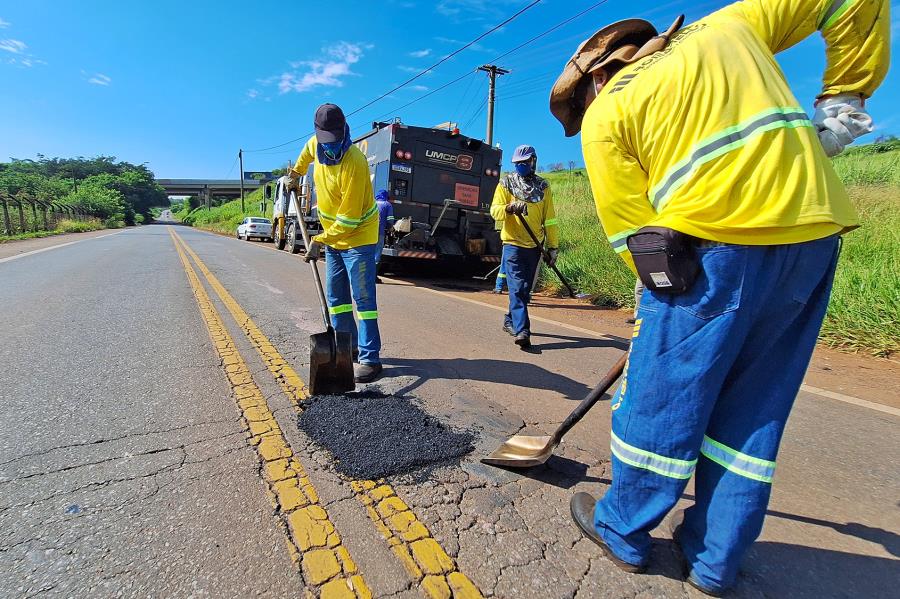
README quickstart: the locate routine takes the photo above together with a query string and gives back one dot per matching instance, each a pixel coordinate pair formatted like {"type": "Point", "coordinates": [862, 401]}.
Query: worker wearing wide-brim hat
{"type": "Point", "coordinates": [712, 182]}
{"type": "Point", "coordinates": [523, 195]}
{"type": "Point", "coordinates": [346, 208]}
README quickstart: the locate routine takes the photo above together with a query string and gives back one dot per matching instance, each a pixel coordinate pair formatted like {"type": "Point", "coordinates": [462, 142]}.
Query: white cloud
{"type": "Point", "coordinates": [100, 79]}
{"type": "Point", "coordinates": [420, 53]}
{"type": "Point", "coordinates": [474, 47]}
{"type": "Point", "coordinates": [419, 88]}
{"type": "Point", "coordinates": [328, 71]}
{"type": "Point", "coordinates": [14, 46]}
{"type": "Point", "coordinates": [472, 10]}
{"type": "Point", "coordinates": [252, 93]}
{"type": "Point", "coordinates": [4, 24]}
{"type": "Point", "coordinates": [409, 69]}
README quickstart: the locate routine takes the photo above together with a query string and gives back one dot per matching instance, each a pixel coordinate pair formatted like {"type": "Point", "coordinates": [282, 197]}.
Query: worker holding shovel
{"type": "Point", "coordinates": [349, 217]}
{"type": "Point", "coordinates": [715, 186]}
{"type": "Point", "coordinates": [523, 203]}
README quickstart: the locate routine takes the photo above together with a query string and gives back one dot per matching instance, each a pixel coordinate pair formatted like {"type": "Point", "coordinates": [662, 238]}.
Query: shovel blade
{"type": "Point", "coordinates": [330, 363]}
{"type": "Point", "coordinates": [521, 451]}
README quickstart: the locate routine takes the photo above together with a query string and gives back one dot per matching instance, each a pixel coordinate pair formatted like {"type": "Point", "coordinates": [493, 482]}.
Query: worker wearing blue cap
{"type": "Point", "coordinates": [523, 196]}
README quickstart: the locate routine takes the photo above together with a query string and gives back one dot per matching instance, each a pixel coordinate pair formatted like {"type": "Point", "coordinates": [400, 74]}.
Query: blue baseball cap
{"type": "Point", "coordinates": [523, 153]}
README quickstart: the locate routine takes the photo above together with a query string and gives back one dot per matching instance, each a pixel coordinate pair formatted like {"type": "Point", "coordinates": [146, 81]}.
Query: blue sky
{"type": "Point", "coordinates": [182, 85]}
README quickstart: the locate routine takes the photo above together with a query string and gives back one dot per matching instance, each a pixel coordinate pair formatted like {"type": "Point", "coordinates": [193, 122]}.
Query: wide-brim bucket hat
{"type": "Point", "coordinates": [622, 42]}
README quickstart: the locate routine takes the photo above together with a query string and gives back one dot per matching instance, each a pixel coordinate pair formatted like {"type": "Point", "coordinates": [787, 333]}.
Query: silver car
{"type": "Point", "coordinates": [253, 226]}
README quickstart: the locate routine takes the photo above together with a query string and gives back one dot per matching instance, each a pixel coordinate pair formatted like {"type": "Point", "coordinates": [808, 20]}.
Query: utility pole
{"type": "Point", "coordinates": [492, 71]}
{"type": "Point", "coordinates": [241, 158]}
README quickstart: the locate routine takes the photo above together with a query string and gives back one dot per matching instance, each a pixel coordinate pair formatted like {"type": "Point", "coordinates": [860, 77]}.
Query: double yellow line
{"type": "Point", "coordinates": [312, 538]}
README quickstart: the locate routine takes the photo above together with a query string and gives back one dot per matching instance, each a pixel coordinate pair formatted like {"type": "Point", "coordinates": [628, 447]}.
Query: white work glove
{"type": "Point", "coordinates": [552, 254]}
{"type": "Point", "coordinates": [287, 183]}
{"type": "Point", "coordinates": [839, 120]}
{"type": "Point", "coordinates": [313, 251]}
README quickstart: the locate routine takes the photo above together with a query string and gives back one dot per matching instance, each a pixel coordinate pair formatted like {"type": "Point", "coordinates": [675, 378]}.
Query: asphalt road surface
{"type": "Point", "coordinates": [150, 382]}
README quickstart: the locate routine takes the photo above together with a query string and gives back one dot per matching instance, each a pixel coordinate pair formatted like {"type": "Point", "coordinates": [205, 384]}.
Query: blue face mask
{"type": "Point", "coordinates": [524, 168]}
{"type": "Point", "coordinates": [333, 149]}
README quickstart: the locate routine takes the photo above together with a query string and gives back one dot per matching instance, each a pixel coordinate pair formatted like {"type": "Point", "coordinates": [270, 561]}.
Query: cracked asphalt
{"type": "Point", "coordinates": [126, 468]}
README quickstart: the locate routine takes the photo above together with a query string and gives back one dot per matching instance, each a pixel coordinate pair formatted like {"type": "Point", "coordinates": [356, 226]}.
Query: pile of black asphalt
{"type": "Point", "coordinates": [371, 435]}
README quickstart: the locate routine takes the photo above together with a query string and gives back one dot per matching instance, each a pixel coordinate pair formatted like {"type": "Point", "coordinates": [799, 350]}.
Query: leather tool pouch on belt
{"type": "Point", "coordinates": [664, 258]}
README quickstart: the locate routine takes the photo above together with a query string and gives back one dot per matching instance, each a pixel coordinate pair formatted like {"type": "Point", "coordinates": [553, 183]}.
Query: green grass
{"type": "Point", "coordinates": [224, 218]}
{"type": "Point", "coordinates": [586, 258]}
{"type": "Point", "coordinates": [864, 313]}
{"type": "Point", "coordinates": [63, 226]}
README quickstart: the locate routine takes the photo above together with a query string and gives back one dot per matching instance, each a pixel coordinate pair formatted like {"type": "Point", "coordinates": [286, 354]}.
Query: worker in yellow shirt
{"type": "Point", "coordinates": [713, 183]}
{"type": "Point", "coordinates": [522, 194]}
{"type": "Point", "coordinates": [349, 216]}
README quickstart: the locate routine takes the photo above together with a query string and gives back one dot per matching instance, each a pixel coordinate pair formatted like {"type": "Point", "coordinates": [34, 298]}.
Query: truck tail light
{"type": "Point", "coordinates": [399, 154]}
{"type": "Point", "coordinates": [407, 155]}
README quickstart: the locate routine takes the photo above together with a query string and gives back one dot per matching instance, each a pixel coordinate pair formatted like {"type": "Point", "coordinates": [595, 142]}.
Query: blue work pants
{"type": "Point", "coordinates": [710, 380]}
{"type": "Point", "coordinates": [350, 279]}
{"type": "Point", "coordinates": [500, 284]}
{"type": "Point", "coordinates": [521, 264]}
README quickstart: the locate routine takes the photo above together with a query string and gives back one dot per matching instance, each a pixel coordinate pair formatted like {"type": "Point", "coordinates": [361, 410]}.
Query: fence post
{"type": "Point", "coordinates": [7, 230]}
{"type": "Point", "coordinates": [21, 214]}
{"type": "Point", "coordinates": [44, 214]}
{"type": "Point", "coordinates": [34, 220]}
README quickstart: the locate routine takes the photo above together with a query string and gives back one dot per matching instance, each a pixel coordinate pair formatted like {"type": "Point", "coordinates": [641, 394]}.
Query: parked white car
{"type": "Point", "coordinates": [261, 228]}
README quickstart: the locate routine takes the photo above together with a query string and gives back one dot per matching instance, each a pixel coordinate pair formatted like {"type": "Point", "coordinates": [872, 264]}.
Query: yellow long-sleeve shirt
{"type": "Point", "coordinates": [541, 217]}
{"type": "Point", "coordinates": [345, 203]}
{"type": "Point", "coordinates": [705, 137]}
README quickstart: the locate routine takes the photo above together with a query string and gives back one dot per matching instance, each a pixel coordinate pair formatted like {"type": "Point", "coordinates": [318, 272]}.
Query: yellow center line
{"type": "Point", "coordinates": [427, 563]}
{"type": "Point", "coordinates": [312, 540]}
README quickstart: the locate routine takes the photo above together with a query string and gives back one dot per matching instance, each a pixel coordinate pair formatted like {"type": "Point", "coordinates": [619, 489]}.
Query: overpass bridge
{"type": "Point", "coordinates": [228, 188]}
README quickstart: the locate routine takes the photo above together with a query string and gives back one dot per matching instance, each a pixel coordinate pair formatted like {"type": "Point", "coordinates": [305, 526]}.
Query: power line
{"type": "Point", "coordinates": [418, 75]}
{"type": "Point", "coordinates": [507, 53]}
{"type": "Point", "coordinates": [232, 167]}
{"type": "Point", "coordinates": [449, 56]}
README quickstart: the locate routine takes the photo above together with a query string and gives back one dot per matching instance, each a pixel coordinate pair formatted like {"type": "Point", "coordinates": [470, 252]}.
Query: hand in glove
{"type": "Point", "coordinates": [313, 251]}
{"type": "Point", "coordinates": [517, 207]}
{"type": "Point", "coordinates": [839, 120]}
{"type": "Point", "coordinates": [552, 255]}
{"type": "Point", "coordinates": [288, 183]}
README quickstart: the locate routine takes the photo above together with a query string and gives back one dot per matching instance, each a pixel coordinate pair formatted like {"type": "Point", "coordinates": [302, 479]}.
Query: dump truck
{"type": "Point", "coordinates": [441, 185]}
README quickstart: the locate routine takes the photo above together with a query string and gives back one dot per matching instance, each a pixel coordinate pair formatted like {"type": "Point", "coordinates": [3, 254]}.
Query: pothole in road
{"type": "Point", "coordinates": [371, 435]}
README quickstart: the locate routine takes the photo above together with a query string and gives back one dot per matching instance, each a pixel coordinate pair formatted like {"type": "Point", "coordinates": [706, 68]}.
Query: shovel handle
{"type": "Point", "coordinates": [588, 402]}
{"type": "Point", "coordinates": [546, 255]}
{"type": "Point", "coordinates": [315, 269]}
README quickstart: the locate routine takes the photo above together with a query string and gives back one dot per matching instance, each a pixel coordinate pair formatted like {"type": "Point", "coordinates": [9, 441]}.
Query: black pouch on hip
{"type": "Point", "coordinates": [664, 258]}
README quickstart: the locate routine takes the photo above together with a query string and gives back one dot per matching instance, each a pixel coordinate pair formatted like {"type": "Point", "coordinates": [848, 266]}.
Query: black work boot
{"type": "Point", "coordinates": [523, 339]}
{"type": "Point", "coordinates": [582, 507]}
{"type": "Point", "coordinates": [355, 355]}
{"type": "Point", "coordinates": [366, 373]}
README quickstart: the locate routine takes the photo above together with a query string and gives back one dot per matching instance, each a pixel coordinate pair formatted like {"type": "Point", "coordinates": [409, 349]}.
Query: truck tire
{"type": "Point", "coordinates": [279, 240]}
{"type": "Point", "coordinates": [292, 239]}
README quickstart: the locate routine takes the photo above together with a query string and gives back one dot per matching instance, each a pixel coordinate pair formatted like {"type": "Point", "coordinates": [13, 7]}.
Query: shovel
{"type": "Point", "coordinates": [546, 256]}
{"type": "Point", "coordinates": [525, 451]}
{"type": "Point", "coordinates": [330, 353]}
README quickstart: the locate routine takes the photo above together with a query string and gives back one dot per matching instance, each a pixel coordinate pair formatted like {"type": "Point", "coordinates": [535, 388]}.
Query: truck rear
{"type": "Point", "coordinates": [441, 185]}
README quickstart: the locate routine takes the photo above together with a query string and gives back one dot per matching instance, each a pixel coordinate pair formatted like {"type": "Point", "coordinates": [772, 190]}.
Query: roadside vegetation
{"type": "Point", "coordinates": [864, 314]}
{"type": "Point", "coordinates": [63, 226]}
{"type": "Point", "coordinates": [49, 196]}
{"type": "Point", "coordinates": [223, 218]}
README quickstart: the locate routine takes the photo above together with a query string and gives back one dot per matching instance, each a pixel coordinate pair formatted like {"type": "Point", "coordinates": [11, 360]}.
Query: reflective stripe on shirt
{"type": "Point", "coordinates": [723, 142]}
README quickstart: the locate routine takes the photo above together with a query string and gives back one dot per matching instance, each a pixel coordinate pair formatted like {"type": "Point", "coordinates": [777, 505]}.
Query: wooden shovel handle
{"type": "Point", "coordinates": [588, 402]}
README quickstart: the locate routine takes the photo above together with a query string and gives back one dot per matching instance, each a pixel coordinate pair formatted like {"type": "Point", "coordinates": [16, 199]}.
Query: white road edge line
{"type": "Point", "coordinates": [851, 400]}
{"type": "Point", "coordinates": [807, 388]}
{"type": "Point", "coordinates": [53, 247]}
